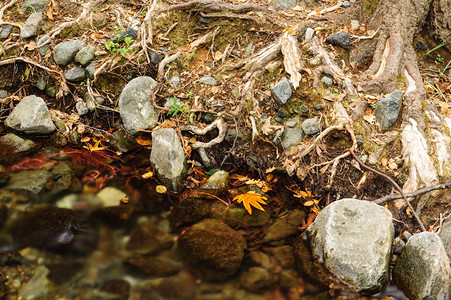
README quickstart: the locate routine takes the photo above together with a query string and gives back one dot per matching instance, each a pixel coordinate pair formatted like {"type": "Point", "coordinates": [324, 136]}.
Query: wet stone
{"type": "Point", "coordinates": [422, 270]}
{"type": "Point", "coordinates": [117, 287]}
{"type": "Point", "coordinates": [75, 75]}
{"type": "Point", "coordinates": [63, 271]}
{"type": "Point", "coordinates": [239, 217]}
{"type": "Point", "coordinates": [12, 145]}
{"type": "Point", "coordinates": [31, 26]}
{"type": "Point", "coordinates": [41, 83]}
{"type": "Point", "coordinates": [180, 286]}
{"type": "Point", "coordinates": [284, 227]}
{"type": "Point", "coordinates": [37, 286]}
{"type": "Point", "coordinates": [110, 196]}
{"type": "Point", "coordinates": [259, 258]}
{"type": "Point", "coordinates": [65, 52]}
{"type": "Point", "coordinates": [341, 39]}
{"type": "Point", "coordinates": [212, 250]}
{"type": "Point", "coordinates": [51, 90]}
{"type": "Point", "coordinates": [115, 216]}
{"type": "Point", "coordinates": [208, 80]}
{"type": "Point", "coordinates": [123, 142]}
{"type": "Point", "coordinates": [284, 255]}
{"type": "Point", "coordinates": [256, 278]}
{"type": "Point", "coordinates": [149, 239]}
{"type": "Point", "coordinates": [310, 126]}
{"type": "Point", "coordinates": [3, 213]}
{"type": "Point", "coordinates": [304, 109]}
{"type": "Point", "coordinates": [421, 46]}
{"type": "Point", "coordinates": [31, 116]}
{"type": "Point", "coordinates": [217, 183]}
{"type": "Point", "coordinates": [85, 55]}
{"type": "Point", "coordinates": [282, 91]}
{"type": "Point", "coordinates": [29, 180]}
{"type": "Point", "coordinates": [152, 266]}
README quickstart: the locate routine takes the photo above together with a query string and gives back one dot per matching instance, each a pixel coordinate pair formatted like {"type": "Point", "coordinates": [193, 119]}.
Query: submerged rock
{"type": "Point", "coordinates": [212, 250]}
{"type": "Point", "coordinates": [168, 158]}
{"type": "Point", "coordinates": [152, 266]}
{"type": "Point", "coordinates": [422, 270]}
{"type": "Point", "coordinates": [285, 227]}
{"type": "Point", "coordinates": [135, 107]}
{"type": "Point", "coordinates": [149, 239]}
{"type": "Point", "coordinates": [29, 180]}
{"type": "Point", "coordinates": [256, 278]}
{"type": "Point", "coordinates": [350, 239]}
{"type": "Point", "coordinates": [12, 146]}
{"type": "Point", "coordinates": [239, 217]}
{"type": "Point", "coordinates": [31, 116]}
{"type": "Point", "coordinates": [118, 287]}
{"type": "Point", "coordinates": [181, 286]}
{"type": "Point", "coordinates": [282, 91]}
{"type": "Point", "coordinates": [387, 109]}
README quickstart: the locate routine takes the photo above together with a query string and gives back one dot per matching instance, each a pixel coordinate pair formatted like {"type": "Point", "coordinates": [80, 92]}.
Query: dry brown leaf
{"type": "Point", "coordinates": [218, 55]}
{"type": "Point", "coordinates": [384, 161]}
{"type": "Point", "coordinates": [30, 46]}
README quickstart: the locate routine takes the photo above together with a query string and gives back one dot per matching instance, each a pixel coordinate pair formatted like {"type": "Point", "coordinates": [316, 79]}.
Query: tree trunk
{"type": "Point", "coordinates": [423, 128]}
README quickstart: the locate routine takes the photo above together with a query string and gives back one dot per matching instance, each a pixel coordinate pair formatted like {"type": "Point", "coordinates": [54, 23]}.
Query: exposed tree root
{"type": "Point", "coordinates": [218, 123]}
{"type": "Point", "coordinates": [5, 7]}
{"type": "Point", "coordinates": [215, 6]}
{"type": "Point", "coordinates": [87, 9]}
{"type": "Point", "coordinates": [146, 30]}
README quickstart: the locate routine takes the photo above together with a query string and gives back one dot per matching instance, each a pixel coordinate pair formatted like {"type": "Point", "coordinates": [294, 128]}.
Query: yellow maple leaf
{"type": "Point", "coordinates": [249, 199]}
{"type": "Point", "coordinates": [96, 146]}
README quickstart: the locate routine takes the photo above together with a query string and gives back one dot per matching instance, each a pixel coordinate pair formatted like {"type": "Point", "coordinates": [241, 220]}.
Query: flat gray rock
{"type": "Point", "coordinates": [350, 239]}
{"type": "Point", "coordinates": [292, 136]}
{"type": "Point", "coordinates": [5, 31]}
{"type": "Point", "coordinates": [168, 158]}
{"type": "Point", "coordinates": [135, 106]}
{"type": "Point", "coordinates": [282, 91]}
{"type": "Point", "coordinates": [284, 4]}
{"type": "Point", "coordinates": [422, 270]}
{"type": "Point", "coordinates": [341, 39]}
{"type": "Point", "coordinates": [387, 109]}
{"type": "Point", "coordinates": [31, 116]}
{"type": "Point", "coordinates": [31, 26]}
{"type": "Point", "coordinates": [209, 80]}
{"type": "Point", "coordinates": [65, 52]}
{"type": "Point", "coordinates": [75, 75]}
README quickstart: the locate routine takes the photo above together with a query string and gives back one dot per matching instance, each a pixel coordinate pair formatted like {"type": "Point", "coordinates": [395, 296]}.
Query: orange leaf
{"type": "Point", "coordinates": [311, 217]}
{"type": "Point", "coordinates": [249, 199]}
{"type": "Point", "coordinates": [143, 140]}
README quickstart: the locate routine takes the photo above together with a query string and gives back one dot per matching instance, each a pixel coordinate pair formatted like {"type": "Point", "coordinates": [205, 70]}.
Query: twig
{"type": "Point", "coordinates": [394, 184]}
{"type": "Point", "coordinates": [359, 38]}
{"type": "Point", "coordinates": [419, 192]}
{"type": "Point", "coordinates": [218, 123]}
{"type": "Point", "coordinates": [166, 61]}
{"type": "Point", "coordinates": [326, 10]}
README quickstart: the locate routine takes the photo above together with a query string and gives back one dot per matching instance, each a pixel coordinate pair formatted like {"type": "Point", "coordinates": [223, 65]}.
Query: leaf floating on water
{"type": "Point", "coordinates": [161, 189]}
{"type": "Point", "coordinates": [249, 199]}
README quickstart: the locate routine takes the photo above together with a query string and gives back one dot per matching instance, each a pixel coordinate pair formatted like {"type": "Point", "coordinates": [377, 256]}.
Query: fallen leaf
{"type": "Point", "coordinates": [147, 175]}
{"type": "Point", "coordinates": [218, 55]}
{"type": "Point", "coordinates": [369, 116]}
{"type": "Point", "coordinates": [160, 189]}
{"type": "Point", "coordinates": [269, 170]}
{"type": "Point", "coordinates": [249, 199]}
{"type": "Point", "coordinates": [311, 217]}
{"type": "Point", "coordinates": [392, 165]}
{"type": "Point", "coordinates": [143, 140]}
{"type": "Point", "coordinates": [96, 146]}
{"type": "Point", "coordinates": [384, 161]}
{"type": "Point", "coordinates": [30, 46]}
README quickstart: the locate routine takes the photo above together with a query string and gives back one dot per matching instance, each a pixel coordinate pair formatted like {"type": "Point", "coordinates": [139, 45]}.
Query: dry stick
{"type": "Point", "coordinates": [166, 61]}
{"type": "Point", "coordinates": [230, 16]}
{"type": "Point", "coordinates": [419, 192]}
{"type": "Point", "coordinates": [394, 184]}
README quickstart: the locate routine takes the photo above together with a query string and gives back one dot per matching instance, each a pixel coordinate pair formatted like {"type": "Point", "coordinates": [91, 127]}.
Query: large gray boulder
{"type": "Point", "coordinates": [350, 239]}
{"type": "Point", "coordinates": [31, 116]}
{"type": "Point", "coordinates": [135, 106]}
{"type": "Point", "coordinates": [168, 158]}
{"type": "Point", "coordinates": [422, 271]}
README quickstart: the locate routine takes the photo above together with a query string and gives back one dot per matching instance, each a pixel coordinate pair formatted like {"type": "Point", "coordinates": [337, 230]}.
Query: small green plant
{"type": "Point", "coordinates": [176, 107]}
{"type": "Point", "coordinates": [439, 58]}
{"type": "Point", "coordinates": [114, 46]}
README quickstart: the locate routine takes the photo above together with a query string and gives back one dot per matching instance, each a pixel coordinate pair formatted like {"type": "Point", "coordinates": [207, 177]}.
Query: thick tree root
{"type": "Point", "coordinates": [218, 123]}
{"type": "Point", "coordinates": [215, 6]}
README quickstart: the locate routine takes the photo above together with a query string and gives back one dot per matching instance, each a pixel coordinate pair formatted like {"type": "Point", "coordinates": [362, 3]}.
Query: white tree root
{"type": "Point", "coordinates": [215, 6]}
{"type": "Point", "coordinates": [146, 29]}
{"type": "Point", "coordinates": [87, 9]}
{"type": "Point", "coordinates": [5, 7]}
{"type": "Point", "coordinates": [218, 123]}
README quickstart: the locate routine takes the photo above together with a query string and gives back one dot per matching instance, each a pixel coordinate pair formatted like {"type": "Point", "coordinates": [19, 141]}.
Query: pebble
{"type": "Point", "coordinates": [309, 34]}
{"type": "Point", "coordinates": [81, 107]}
{"type": "Point", "coordinates": [281, 92]}
{"type": "Point", "coordinates": [5, 31]}
{"type": "Point", "coordinates": [421, 46]}
{"type": "Point", "coordinates": [310, 126]}
{"type": "Point", "coordinates": [91, 69]}
{"type": "Point", "coordinates": [175, 80]}
{"type": "Point", "coordinates": [346, 4]}
{"type": "Point", "coordinates": [355, 24]}
{"type": "Point", "coordinates": [209, 80]}
{"type": "Point", "coordinates": [65, 52]}
{"type": "Point", "coordinates": [205, 20]}
{"type": "Point", "coordinates": [3, 94]}
{"type": "Point", "coordinates": [75, 75]}
{"type": "Point", "coordinates": [155, 58]}
{"type": "Point", "coordinates": [292, 123]}
{"type": "Point", "coordinates": [318, 107]}
{"type": "Point", "coordinates": [304, 109]}
{"type": "Point", "coordinates": [41, 83]}
{"type": "Point", "coordinates": [341, 39]}
{"type": "Point", "coordinates": [327, 81]}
